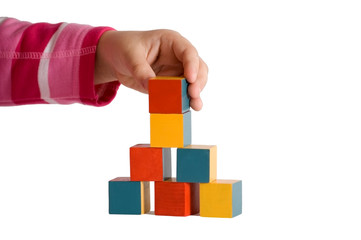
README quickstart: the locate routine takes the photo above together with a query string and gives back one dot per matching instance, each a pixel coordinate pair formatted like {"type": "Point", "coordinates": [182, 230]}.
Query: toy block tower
{"type": "Point", "coordinates": [170, 126]}
{"type": "Point", "coordinates": [196, 188]}
{"type": "Point", "coordinates": [170, 117]}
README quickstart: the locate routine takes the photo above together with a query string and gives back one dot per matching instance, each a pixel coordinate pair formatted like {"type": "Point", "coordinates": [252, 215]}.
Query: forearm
{"type": "Point", "coordinates": [50, 63]}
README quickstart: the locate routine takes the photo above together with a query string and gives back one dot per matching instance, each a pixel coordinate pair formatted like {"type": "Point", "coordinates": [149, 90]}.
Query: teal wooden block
{"type": "Point", "coordinates": [185, 97]}
{"type": "Point", "coordinates": [197, 164]}
{"type": "Point", "coordinates": [128, 197]}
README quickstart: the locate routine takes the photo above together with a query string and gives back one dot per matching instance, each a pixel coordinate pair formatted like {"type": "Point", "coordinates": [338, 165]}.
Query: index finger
{"type": "Point", "coordinates": [186, 53]}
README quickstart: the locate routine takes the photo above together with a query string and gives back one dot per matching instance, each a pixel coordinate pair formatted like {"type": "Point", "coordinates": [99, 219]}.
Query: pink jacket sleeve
{"type": "Point", "coordinates": [50, 63]}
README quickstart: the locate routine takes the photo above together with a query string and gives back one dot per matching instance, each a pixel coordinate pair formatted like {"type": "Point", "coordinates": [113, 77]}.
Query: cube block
{"type": "Point", "coordinates": [197, 163]}
{"type": "Point", "coordinates": [170, 130]}
{"type": "Point", "coordinates": [149, 164]}
{"type": "Point", "coordinates": [127, 197]}
{"type": "Point", "coordinates": [221, 198]}
{"type": "Point", "coordinates": [174, 198]}
{"type": "Point", "coordinates": [168, 95]}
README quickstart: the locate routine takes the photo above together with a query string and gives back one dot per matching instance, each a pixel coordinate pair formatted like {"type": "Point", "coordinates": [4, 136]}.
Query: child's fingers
{"type": "Point", "coordinates": [186, 53]}
{"type": "Point", "coordinates": [191, 64]}
{"type": "Point", "coordinates": [196, 104]}
{"type": "Point", "coordinates": [202, 74]}
{"type": "Point", "coordinates": [196, 87]}
{"type": "Point", "coordinates": [140, 70]}
{"type": "Point", "coordinates": [142, 73]}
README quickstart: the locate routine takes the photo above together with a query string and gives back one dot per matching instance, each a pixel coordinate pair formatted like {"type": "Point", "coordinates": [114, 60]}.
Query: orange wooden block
{"type": "Point", "coordinates": [174, 198]}
{"type": "Point", "coordinates": [168, 95]}
{"type": "Point", "coordinates": [149, 164]}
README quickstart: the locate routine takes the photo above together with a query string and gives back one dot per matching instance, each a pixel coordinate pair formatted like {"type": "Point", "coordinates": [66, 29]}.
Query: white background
{"type": "Point", "coordinates": [282, 104]}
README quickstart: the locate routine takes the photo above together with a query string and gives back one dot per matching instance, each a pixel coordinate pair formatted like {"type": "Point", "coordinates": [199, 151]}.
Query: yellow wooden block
{"type": "Point", "coordinates": [213, 163]}
{"type": "Point", "coordinates": [221, 198]}
{"type": "Point", "coordinates": [145, 201]}
{"type": "Point", "coordinates": [170, 130]}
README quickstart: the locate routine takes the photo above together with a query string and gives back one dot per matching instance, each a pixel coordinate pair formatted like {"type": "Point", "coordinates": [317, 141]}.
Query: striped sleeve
{"type": "Point", "coordinates": [50, 63]}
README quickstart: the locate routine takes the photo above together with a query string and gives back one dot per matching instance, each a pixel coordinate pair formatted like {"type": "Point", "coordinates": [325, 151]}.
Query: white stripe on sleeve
{"type": "Point", "coordinates": [43, 71]}
{"type": "Point", "coordinates": [2, 19]}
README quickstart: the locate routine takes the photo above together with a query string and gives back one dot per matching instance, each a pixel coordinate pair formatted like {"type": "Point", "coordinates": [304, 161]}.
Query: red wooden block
{"type": "Point", "coordinates": [176, 198]}
{"type": "Point", "coordinates": [149, 164]}
{"type": "Point", "coordinates": [168, 95]}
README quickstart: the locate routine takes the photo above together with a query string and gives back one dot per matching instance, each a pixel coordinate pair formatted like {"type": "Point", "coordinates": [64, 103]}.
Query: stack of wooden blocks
{"type": "Point", "coordinates": [196, 188]}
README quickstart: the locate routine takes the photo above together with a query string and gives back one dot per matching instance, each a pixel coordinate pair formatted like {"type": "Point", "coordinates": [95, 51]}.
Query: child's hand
{"type": "Point", "coordinates": [134, 57]}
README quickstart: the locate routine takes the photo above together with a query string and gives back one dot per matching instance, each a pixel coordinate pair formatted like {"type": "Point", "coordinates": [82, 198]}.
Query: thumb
{"type": "Point", "coordinates": [141, 72]}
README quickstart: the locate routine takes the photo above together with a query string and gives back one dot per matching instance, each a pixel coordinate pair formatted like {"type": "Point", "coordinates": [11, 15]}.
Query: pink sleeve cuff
{"type": "Point", "coordinates": [104, 93]}
{"type": "Point", "coordinates": [99, 95]}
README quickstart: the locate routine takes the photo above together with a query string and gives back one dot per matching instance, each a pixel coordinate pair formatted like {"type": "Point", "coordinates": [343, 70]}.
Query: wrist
{"type": "Point", "coordinates": [103, 71]}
